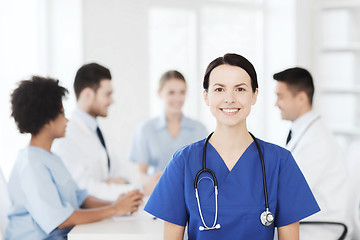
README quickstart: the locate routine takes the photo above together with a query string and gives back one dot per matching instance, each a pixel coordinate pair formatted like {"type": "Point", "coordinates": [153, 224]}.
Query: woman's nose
{"type": "Point", "coordinates": [229, 97]}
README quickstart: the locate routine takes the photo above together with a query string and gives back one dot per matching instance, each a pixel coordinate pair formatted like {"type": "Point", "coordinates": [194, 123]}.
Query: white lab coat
{"type": "Point", "coordinates": [353, 162]}
{"type": "Point", "coordinates": [86, 160]}
{"type": "Point", "coordinates": [320, 158]}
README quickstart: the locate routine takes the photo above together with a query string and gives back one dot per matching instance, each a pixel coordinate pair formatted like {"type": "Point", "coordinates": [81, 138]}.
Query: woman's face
{"type": "Point", "coordinates": [58, 125]}
{"type": "Point", "coordinates": [173, 94]}
{"type": "Point", "coordinates": [230, 95]}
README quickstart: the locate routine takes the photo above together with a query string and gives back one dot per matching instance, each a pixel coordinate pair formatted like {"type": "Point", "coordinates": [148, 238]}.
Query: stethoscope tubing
{"type": "Point", "coordinates": [263, 171]}
{"type": "Point", "coordinates": [204, 169]}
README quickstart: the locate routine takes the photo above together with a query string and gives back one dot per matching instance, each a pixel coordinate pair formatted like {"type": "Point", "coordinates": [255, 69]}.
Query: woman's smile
{"type": "Point", "coordinates": [230, 111]}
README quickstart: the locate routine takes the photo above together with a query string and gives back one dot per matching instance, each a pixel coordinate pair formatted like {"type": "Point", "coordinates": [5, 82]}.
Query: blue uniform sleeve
{"type": "Point", "coordinates": [43, 201]}
{"type": "Point", "coordinates": [295, 199]}
{"type": "Point", "coordinates": [167, 201]}
{"type": "Point", "coordinates": [139, 151]}
{"type": "Point", "coordinates": [81, 195]}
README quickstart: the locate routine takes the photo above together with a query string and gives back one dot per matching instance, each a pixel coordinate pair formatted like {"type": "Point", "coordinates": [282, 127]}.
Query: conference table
{"type": "Point", "coordinates": [138, 226]}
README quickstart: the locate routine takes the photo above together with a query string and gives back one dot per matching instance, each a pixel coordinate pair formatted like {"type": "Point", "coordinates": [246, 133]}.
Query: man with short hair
{"type": "Point", "coordinates": [84, 149]}
{"type": "Point", "coordinates": [315, 150]}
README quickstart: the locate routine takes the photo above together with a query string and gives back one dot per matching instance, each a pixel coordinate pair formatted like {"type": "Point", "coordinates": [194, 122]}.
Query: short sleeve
{"type": "Point", "coordinates": [81, 195]}
{"type": "Point", "coordinates": [43, 200]}
{"type": "Point", "coordinates": [139, 149]}
{"type": "Point", "coordinates": [167, 201]}
{"type": "Point", "coordinates": [295, 199]}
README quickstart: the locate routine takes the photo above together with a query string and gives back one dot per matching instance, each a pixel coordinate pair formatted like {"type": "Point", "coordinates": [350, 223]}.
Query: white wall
{"type": "Point", "coordinates": [280, 53]}
{"type": "Point", "coordinates": [39, 38]}
{"type": "Point", "coordinates": [64, 50]}
{"type": "Point", "coordinates": [20, 57]}
{"type": "Point", "coordinates": [116, 36]}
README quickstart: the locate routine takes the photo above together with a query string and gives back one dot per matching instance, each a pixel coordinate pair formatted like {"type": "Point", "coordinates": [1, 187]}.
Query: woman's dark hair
{"type": "Point", "coordinates": [90, 75]}
{"type": "Point", "coordinates": [36, 102]}
{"type": "Point", "coordinates": [233, 60]}
{"type": "Point", "coordinates": [172, 74]}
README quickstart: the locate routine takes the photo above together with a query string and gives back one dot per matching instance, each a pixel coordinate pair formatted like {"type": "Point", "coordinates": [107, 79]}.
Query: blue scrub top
{"type": "Point", "coordinates": [43, 196]}
{"type": "Point", "coordinates": [241, 194]}
{"type": "Point", "coordinates": [154, 145]}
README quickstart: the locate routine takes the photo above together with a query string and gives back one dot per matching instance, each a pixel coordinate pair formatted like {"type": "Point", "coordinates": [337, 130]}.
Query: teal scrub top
{"type": "Point", "coordinates": [154, 145]}
{"type": "Point", "coordinates": [240, 192]}
{"type": "Point", "coordinates": [43, 196]}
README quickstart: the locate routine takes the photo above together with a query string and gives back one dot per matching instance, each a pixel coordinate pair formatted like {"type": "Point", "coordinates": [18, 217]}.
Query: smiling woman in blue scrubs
{"type": "Point", "coordinates": [231, 89]}
{"type": "Point", "coordinates": [46, 202]}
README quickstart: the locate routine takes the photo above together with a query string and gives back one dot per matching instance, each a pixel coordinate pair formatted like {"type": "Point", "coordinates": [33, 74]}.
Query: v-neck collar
{"type": "Point", "coordinates": [223, 164]}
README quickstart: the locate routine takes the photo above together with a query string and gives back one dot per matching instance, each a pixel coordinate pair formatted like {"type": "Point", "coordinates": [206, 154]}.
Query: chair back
{"type": "Point", "coordinates": [342, 232]}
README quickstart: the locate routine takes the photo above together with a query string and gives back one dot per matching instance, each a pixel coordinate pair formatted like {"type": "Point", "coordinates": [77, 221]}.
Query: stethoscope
{"type": "Point", "coordinates": [266, 217]}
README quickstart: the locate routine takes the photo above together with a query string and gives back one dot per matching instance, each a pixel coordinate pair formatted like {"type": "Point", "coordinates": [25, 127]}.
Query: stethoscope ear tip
{"type": "Point", "coordinates": [217, 226]}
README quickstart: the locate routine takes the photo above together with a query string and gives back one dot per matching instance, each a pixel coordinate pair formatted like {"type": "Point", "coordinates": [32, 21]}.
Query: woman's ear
{"type": "Point", "coordinates": [205, 96]}
{"type": "Point", "coordinates": [254, 96]}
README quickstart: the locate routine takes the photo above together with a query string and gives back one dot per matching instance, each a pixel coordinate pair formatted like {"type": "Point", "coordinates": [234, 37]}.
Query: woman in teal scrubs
{"type": "Point", "coordinates": [46, 202]}
{"type": "Point", "coordinates": [157, 139]}
{"type": "Point", "coordinates": [230, 90]}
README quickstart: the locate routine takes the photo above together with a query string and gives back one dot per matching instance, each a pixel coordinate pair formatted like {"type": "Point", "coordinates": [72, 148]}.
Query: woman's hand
{"type": "Point", "coordinates": [128, 203]}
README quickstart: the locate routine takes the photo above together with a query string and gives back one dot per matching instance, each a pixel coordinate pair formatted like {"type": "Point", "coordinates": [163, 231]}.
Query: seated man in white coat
{"type": "Point", "coordinates": [315, 150]}
{"type": "Point", "coordinates": [84, 150]}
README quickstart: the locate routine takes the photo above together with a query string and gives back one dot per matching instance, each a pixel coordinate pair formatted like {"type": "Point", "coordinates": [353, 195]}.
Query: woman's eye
{"type": "Point", "coordinates": [218, 90]}
{"type": "Point", "coordinates": [240, 89]}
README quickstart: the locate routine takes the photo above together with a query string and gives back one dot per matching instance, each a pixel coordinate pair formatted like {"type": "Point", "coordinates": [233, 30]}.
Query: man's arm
{"type": "Point", "coordinates": [143, 167]}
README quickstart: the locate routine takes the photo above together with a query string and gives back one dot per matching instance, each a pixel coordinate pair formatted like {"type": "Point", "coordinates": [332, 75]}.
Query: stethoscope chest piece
{"type": "Point", "coordinates": [267, 218]}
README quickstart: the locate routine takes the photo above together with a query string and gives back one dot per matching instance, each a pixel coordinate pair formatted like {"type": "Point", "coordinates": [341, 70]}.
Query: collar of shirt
{"type": "Point", "coordinates": [302, 122]}
{"type": "Point", "coordinates": [89, 120]}
{"type": "Point", "coordinates": [40, 150]}
{"type": "Point", "coordinates": [162, 123]}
